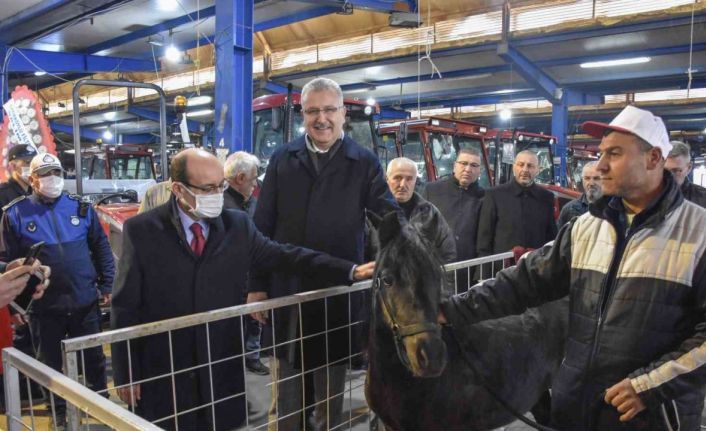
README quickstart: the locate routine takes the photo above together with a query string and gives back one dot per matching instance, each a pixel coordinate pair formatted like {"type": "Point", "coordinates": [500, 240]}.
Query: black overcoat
{"type": "Point", "coordinates": [159, 278]}
{"type": "Point", "coordinates": [324, 211]}
{"type": "Point", "coordinates": [512, 215]}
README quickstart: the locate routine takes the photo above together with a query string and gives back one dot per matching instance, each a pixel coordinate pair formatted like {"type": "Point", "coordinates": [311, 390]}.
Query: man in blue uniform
{"type": "Point", "coordinates": [79, 255]}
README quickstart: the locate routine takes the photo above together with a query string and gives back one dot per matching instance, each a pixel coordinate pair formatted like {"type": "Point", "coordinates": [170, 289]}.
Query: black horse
{"type": "Point", "coordinates": [418, 378]}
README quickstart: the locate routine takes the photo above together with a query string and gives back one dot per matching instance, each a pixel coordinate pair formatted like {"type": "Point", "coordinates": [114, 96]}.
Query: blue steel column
{"type": "Point", "coordinates": [3, 81]}
{"type": "Point", "coordinates": [560, 122]}
{"type": "Point", "coordinates": [233, 120]}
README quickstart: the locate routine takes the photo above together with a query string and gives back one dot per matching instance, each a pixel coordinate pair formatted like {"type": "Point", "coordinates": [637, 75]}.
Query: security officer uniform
{"type": "Point", "coordinates": [11, 190]}
{"type": "Point", "coordinates": [77, 250]}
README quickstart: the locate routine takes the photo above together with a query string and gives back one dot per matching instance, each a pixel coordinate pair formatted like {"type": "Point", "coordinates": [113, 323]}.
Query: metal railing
{"type": "Point", "coordinates": [464, 273]}
{"type": "Point", "coordinates": [92, 404]}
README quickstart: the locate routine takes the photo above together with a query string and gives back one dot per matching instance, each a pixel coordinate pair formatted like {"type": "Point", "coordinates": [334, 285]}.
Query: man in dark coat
{"type": "Point", "coordinates": [18, 158]}
{"type": "Point", "coordinates": [592, 191]}
{"type": "Point", "coordinates": [680, 165]}
{"type": "Point", "coordinates": [401, 178]}
{"type": "Point", "coordinates": [518, 213]}
{"type": "Point", "coordinates": [240, 171]}
{"type": "Point", "coordinates": [315, 194]}
{"type": "Point", "coordinates": [189, 256]}
{"type": "Point", "coordinates": [458, 197]}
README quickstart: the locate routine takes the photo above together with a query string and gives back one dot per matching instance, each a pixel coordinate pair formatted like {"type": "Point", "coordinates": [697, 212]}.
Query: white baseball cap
{"type": "Point", "coordinates": [43, 163]}
{"type": "Point", "coordinates": [638, 122]}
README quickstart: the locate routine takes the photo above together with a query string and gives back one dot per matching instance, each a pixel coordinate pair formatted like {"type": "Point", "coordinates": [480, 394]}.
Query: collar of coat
{"type": "Point", "coordinates": [611, 208]}
{"type": "Point", "coordinates": [517, 189]}
{"type": "Point", "coordinates": [348, 146]}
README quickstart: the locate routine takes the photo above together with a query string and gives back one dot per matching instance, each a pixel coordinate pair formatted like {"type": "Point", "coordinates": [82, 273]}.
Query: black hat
{"type": "Point", "coordinates": [21, 151]}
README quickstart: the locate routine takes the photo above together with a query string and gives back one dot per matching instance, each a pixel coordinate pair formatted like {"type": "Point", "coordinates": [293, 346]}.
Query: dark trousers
{"type": "Point", "coordinates": [253, 332]}
{"type": "Point", "coordinates": [49, 329]}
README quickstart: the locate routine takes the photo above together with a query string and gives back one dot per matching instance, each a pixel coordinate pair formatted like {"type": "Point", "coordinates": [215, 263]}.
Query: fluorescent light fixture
{"type": "Point", "coordinates": [172, 54]}
{"type": "Point", "coordinates": [618, 62]}
{"type": "Point", "coordinates": [110, 115]}
{"type": "Point", "coordinates": [107, 135]}
{"type": "Point", "coordinates": [40, 73]}
{"type": "Point", "coordinates": [167, 5]}
{"type": "Point", "coordinates": [199, 113]}
{"type": "Point", "coordinates": [199, 100]}
{"type": "Point", "coordinates": [463, 78]}
{"type": "Point", "coordinates": [370, 101]}
{"type": "Point", "coordinates": [505, 114]}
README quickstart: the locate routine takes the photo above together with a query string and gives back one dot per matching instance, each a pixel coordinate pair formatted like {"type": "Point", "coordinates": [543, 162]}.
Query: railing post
{"type": "Point", "coordinates": [13, 409]}
{"type": "Point", "coordinates": [72, 413]}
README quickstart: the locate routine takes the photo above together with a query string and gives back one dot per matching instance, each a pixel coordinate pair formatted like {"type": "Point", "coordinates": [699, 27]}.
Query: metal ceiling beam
{"type": "Point", "coordinates": [531, 73]}
{"type": "Point", "coordinates": [374, 5]}
{"type": "Point", "coordinates": [32, 12]}
{"type": "Point", "coordinates": [92, 135]}
{"type": "Point", "coordinates": [148, 114]}
{"type": "Point", "coordinates": [20, 29]}
{"type": "Point", "coordinates": [470, 101]}
{"type": "Point", "coordinates": [295, 17]}
{"type": "Point", "coordinates": [152, 30]}
{"type": "Point", "coordinates": [32, 60]}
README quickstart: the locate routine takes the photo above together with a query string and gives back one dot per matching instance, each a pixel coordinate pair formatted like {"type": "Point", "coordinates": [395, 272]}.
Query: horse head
{"type": "Point", "coordinates": [407, 291]}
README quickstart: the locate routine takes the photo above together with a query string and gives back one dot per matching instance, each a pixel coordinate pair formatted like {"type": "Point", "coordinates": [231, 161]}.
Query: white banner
{"type": "Point", "coordinates": [23, 137]}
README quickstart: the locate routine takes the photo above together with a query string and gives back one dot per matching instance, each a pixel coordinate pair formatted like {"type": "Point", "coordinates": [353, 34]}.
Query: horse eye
{"type": "Point", "coordinates": [387, 280]}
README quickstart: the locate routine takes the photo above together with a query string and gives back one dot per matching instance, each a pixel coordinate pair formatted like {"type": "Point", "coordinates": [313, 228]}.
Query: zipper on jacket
{"type": "Point", "coordinates": [57, 232]}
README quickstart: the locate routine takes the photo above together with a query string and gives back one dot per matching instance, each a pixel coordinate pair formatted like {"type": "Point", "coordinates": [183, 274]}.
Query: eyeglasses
{"type": "Point", "coordinates": [328, 111]}
{"type": "Point", "coordinates": [467, 164]}
{"type": "Point", "coordinates": [209, 189]}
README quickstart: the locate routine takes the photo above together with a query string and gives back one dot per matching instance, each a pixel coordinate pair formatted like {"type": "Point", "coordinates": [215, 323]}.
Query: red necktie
{"type": "Point", "coordinates": [198, 241]}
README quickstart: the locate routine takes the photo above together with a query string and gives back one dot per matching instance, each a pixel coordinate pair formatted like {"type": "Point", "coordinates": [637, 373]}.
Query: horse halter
{"type": "Point", "coordinates": [401, 332]}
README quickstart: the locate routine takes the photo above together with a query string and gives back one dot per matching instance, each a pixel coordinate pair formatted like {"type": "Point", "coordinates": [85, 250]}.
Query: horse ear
{"type": "Point", "coordinates": [390, 227]}
{"type": "Point", "coordinates": [426, 220]}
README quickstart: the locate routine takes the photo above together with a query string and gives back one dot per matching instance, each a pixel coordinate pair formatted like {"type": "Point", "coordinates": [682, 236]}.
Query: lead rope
{"type": "Point", "coordinates": [492, 392]}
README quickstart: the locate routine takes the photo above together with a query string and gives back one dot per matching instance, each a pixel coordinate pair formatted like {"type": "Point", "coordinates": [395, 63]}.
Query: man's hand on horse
{"type": "Point", "coordinates": [260, 316]}
{"type": "Point", "coordinates": [363, 271]}
{"type": "Point", "coordinates": [623, 397]}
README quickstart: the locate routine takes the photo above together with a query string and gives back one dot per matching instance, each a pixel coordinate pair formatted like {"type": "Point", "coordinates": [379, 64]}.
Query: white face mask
{"type": "Point", "coordinates": [207, 206]}
{"type": "Point", "coordinates": [51, 186]}
{"type": "Point", "coordinates": [25, 172]}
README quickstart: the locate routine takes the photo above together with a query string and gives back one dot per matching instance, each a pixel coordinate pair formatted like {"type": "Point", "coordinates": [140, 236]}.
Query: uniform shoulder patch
{"type": "Point", "coordinates": [13, 202]}
{"type": "Point", "coordinates": [74, 196]}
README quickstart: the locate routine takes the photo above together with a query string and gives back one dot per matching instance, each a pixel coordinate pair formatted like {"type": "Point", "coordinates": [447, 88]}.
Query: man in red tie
{"type": "Point", "coordinates": [189, 256]}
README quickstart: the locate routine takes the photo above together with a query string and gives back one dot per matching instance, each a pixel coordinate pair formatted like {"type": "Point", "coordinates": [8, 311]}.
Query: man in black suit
{"type": "Point", "coordinates": [315, 194]}
{"type": "Point", "coordinates": [184, 257]}
{"type": "Point", "coordinates": [517, 213]}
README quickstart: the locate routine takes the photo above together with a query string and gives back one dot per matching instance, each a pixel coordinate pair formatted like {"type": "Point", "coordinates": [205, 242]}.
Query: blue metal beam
{"type": "Point", "coordinates": [470, 101]}
{"type": "Point", "coordinates": [530, 72]}
{"type": "Point", "coordinates": [147, 114]}
{"type": "Point", "coordinates": [442, 95]}
{"type": "Point", "coordinates": [234, 84]}
{"type": "Point", "coordinates": [275, 87]}
{"type": "Point", "coordinates": [28, 14]}
{"type": "Point", "coordinates": [374, 5]}
{"type": "Point", "coordinates": [92, 135]}
{"type": "Point", "coordinates": [152, 30]}
{"type": "Point", "coordinates": [31, 60]}
{"type": "Point", "coordinates": [295, 17]}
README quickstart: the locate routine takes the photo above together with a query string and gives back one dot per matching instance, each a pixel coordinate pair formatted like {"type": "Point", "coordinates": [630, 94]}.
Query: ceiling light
{"type": "Point", "coordinates": [167, 5]}
{"type": "Point", "coordinates": [505, 114]}
{"type": "Point", "coordinates": [172, 54]}
{"type": "Point", "coordinates": [199, 113]}
{"type": "Point", "coordinates": [370, 101]}
{"type": "Point", "coordinates": [107, 135]}
{"type": "Point", "coordinates": [618, 62]}
{"type": "Point", "coordinates": [110, 115]}
{"type": "Point", "coordinates": [199, 100]}
{"type": "Point", "coordinates": [40, 73]}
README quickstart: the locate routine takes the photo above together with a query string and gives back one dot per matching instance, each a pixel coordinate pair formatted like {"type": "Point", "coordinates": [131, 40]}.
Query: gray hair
{"type": "Point", "coordinates": [322, 84]}
{"type": "Point", "coordinates": [680, 149]}
{"type": "Point", "coordinates": [239, 162]}
{"type": "Point", "coordinates": [402, 161]}
{"type": "Point", "coordinates": [590, 165]}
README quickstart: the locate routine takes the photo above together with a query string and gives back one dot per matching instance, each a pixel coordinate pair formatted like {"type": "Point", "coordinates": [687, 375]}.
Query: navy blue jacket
{"type": "Point", "coordinates": [323, 211]}
{"type": "Point", "coordinates": [76, 249]}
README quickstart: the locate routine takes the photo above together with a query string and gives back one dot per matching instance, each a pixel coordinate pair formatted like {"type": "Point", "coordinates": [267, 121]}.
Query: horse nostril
{"type": "Point", "coordinates": [422, 358]}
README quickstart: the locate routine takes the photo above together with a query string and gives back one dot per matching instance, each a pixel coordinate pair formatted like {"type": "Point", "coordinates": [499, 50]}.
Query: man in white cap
{"type": "Point", "coordinates": [634, 269]}
{"type": "Point", "coordinates": [77, 251]}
